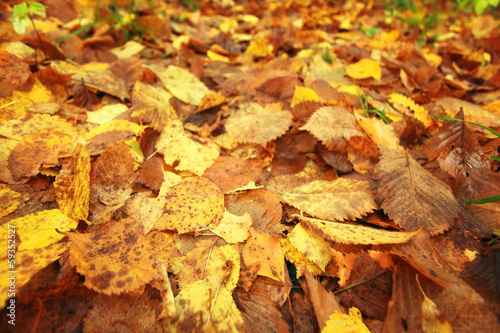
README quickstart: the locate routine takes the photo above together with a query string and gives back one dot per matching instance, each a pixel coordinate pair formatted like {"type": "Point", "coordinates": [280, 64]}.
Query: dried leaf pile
{"type": "Point", "coordinates": [219, 170]}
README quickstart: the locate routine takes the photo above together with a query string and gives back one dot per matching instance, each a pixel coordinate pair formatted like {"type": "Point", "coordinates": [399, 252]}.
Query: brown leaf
{"type": "Point", "coordinates": [256, 304]}
{"type": "Point", "coordinates": [324, 302]}
{"type": "Point", "coordinates": [412, 196]}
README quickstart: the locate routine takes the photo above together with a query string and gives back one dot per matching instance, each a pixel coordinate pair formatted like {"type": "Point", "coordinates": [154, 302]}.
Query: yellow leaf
{"type": "Point", "coordinates": [304, 94]}
{"type": "Point", "coordinates": [331, 124]}
{"type": "Point", "coordinates": [356, 234]}
{"type": "Point", "coordinates": [265, 249]}
{"type": "Point", "coordinates": [37, 94]}
{"type": "Point", "coordinates": [192, 206]}
{"type": "Point", "coordinates": [205, 307]}
{"type": "Point", "coordinates": [177, 146]}
{"type": "Point", "coordinates": [38, 230]}
{"type": "Point", "coordinates": [341, 199]}
{"type": "Point", "coordinates": [379, 131]}
{"type": "Point", "coordinates": [301, 262]}
{"type": "Point", "coordinates": [152, 105]}
{"type": "Point", "coordinates": [260, 48]}
{"type": "Point", "coordinates": [9, 200]}
{"type": "Point", "coordinates": [27, 264]}
{"type": "Point", "coordinates": [253, 123]}
{"type": "Point", "coordinates": [364, 69]}
{"type": "Point", "coordinates": [343, 323]}
{"type": "Point", "coordinates": [415, 110]}
{"type": "Point", "coordinates": [311, 245]}
{"type": "Point", "coordinates": [118, 258]}
{"type": "Point", "coordinates": [217, 57]}
{"type": "Point", "coordinates": [73, 185]}
{"type": "Point", "coordinates": [432, 320]}
{"type": "Point", "coordinates": [106, 113]}
{"type": "Point", "coordinates": [181, 83]}
{"type": "Point", "coordinates": [233, 228]}
{"type": "Point", "coordinates": [17, 129]}
{"type": "Point", "coordinates": [115, 125]}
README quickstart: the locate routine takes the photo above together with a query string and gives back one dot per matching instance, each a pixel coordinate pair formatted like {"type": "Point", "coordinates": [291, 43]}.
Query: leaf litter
{"type": "Point", "coordinates": [197, 166]}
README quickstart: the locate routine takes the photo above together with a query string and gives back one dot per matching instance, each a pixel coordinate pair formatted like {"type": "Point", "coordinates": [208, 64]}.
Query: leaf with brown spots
{"type": "Point", "coordinates": [9, 200]}
{"type": "Point", "coordinates": [192, 206]}
{"type": "Point", "coordinates": [39, 148]}
{"type": "Point", "coordinates": [118, 258]}
{"type": "Point", "coordinates": [265, 249]}
{"type": "Point", "coordinates": [73, 185]}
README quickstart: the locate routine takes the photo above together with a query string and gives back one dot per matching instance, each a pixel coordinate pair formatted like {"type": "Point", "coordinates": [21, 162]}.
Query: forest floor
{"type": "Point", "coordinates": [259, 166]}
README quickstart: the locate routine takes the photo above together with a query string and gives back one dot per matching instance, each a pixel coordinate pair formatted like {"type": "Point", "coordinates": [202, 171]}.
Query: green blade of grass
{"type": "Point", "coordinates": [470, 122]}
{"type": "Point", "coordinates": [483, 201]}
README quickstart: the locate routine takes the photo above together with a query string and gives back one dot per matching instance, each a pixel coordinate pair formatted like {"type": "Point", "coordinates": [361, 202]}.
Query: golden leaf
{"type": "Point", "coordinates": [415, 110]}
{"type": "Point", "coordinates": [192, 154]}
{"type": "Point", "coordinates": [117, 258]}
{"type": "Point", "coordinates": [205, 307]}
{"type": "Point", "coordinates": [432, 320]}
{"type": "Point", "coordinates": [356, 234]}
{"type": "Point", "coordinates": [181, 83]}
{"type": "Point", "coordinates": [379, 131]}
{"type": "Point", "coordinates": [233, 228]}
{"type": "Point", "coordinates": [304, 94]}
{"type": "Point", "coordinates": [253, 123]}
{"type": "Point", "coordinates": [27, 264]}
{"type": "Point", "coordinates": [412, 196]}
{"type": "Point", "coordinates": [311, 245]}
{"type": "Point", "coordinates": [152, 105]}
{"type": "Point", "coordinates": [73, 185]}
{"type": "Point", "coordinates": [21, 127]}
{"type": "Point", "coordinates": [351, 322]}
{"type": "Point", "coordinates": [192, 206]}
{"type": "Point", "coordinates": [106, 113]}
{"type": "Point", "coordinates": [10, 200]}
{"type": "Point", "coordinates": [331, 123]}
{"type": "Point", "coordinates": [341, 199]}
{"type": "Point", "coordinates": [115, 125]}
{"type": "Point", "coordinates": [364, 69]}
{"type": "Point", "coordinates": [266, 249]}
{"type": "Point", "coordinates": [38, 230]}
{"type": "Point", "coordinates": [40, 147]}
{"type": "Point", "coordinates": [302, 263]}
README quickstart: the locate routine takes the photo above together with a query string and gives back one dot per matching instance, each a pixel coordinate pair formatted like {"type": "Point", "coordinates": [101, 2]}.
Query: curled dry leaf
{"type": "Point", "coordinates": [356, 234]}
{"type": "Point", "coordinates": [412, 196]}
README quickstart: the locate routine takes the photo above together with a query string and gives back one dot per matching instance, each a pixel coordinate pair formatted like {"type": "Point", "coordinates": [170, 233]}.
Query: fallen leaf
{"type": "Point", "coordinates": [254, 123]}
{"type": "Point", "coordinates": [73, 185]}
{"type": "Point", "coordinates": [341, 199]}
{"type": "Point", "coordinates": [233, 228]}
{"type": "Point", "coordinates": [311, 245]}
{"type": "Point", "coordinates": [364, 69]}
{"type": "Point", "coordinates": [266, 249]}
{"type": "Point", "coordinates": [339, 322]}
{"type": "Point", "coordinates": [118, 258]}
{"type": "Point", "coordinates": [9, 200]}
{"type": "Point", "coordinates": [331, 123]}
{"type": "Point", "coordinates": [412, 196]}
{"type": "Point", "coordinates": [194, 205]}
{"type": "Point", "coordinates": [184, 151]}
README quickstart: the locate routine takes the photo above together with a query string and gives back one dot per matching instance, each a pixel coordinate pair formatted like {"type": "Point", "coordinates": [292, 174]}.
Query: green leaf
{"type": "Point", "coordinates": [21, 15]}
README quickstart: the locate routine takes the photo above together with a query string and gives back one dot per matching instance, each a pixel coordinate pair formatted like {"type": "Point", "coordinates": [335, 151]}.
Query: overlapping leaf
{"type": "Point", "coordinates": [412, 196]}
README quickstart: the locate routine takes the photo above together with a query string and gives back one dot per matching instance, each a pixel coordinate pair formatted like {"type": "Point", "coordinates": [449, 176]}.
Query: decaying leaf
{"type": "Point", "coordinates": [9, 200]}
{"type": "Point", "coordinates": [192, 206]}
{"type": "Point", "coordinates": [118, 258]}
{"type": "Point", "coordinates": [265, 249]}
{"type": "Point", "coordinates": [412, 196]}
{"type": "Point", "coordinates": [73, 185]}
